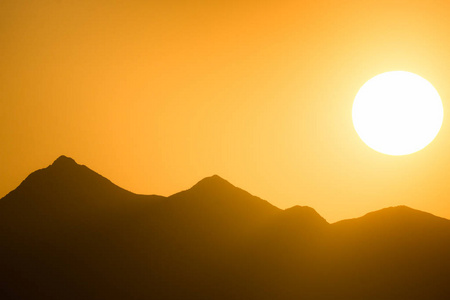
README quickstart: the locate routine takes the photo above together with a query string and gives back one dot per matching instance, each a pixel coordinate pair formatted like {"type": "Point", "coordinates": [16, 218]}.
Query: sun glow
{"type": "Point", "coordinates": [397, 113]}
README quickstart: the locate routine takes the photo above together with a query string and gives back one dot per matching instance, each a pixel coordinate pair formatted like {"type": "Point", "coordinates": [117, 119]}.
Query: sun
{"type": "Point", "coordinates": [397, 113]}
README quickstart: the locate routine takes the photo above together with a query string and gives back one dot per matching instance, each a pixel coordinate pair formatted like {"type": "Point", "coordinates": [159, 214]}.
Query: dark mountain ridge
{"type": "Point", "coordinates": [68, 233]}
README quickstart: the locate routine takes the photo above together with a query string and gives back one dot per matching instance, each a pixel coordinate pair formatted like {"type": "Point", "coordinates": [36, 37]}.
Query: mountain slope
{"type": "Point", "coordinates": [68, 233]}
{"type": "Point", "coordinates": [394, 253]}
{"type": "Point", "coordinates": [67, 195]}
{"type": "Point", "coordinates": [60, 220]}
{"type": "Point", "coordinates": [66, 179]}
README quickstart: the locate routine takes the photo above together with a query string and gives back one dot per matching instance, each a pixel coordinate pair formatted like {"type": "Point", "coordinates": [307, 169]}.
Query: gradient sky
{"type": "Point", "coordinates": [156, 95]}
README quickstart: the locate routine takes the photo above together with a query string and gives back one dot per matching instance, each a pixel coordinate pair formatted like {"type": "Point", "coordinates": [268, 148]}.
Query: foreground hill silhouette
{"type": "Point", "coordinates": [68, 233]}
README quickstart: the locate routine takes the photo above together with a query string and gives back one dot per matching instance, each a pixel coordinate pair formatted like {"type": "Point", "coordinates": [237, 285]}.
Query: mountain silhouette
{"type": "Point", "coordinates": [66, 232]}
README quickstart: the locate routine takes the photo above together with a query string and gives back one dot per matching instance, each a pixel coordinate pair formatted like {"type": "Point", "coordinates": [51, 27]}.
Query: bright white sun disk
{"type": "Point", "coordinates": [397, 113]}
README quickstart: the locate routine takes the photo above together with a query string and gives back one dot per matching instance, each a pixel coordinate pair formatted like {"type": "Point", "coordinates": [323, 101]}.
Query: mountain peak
{"type": "Point", "coordinates": [297, 209]}
{"type": "Point", "coordinates": [212, 182]}
{"type": "Point", "coordinates": [397, 216]}
{"type": "Point", "coordinates": [65, 179]}
{"type": "Point", "coordinates": [304, 213]}
{"type": "Point", "coordinates": [395, 211]}
{"type": "Point", "coordinates": [64, 161]}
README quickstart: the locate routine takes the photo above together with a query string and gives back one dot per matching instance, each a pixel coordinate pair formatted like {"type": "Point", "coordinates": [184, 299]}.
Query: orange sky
{"type": "Point", "coordinates": [156, 95]}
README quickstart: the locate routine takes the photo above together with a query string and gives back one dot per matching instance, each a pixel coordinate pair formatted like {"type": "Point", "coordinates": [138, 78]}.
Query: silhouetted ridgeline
{"type": "Point", "coordinates": [68, 233]}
